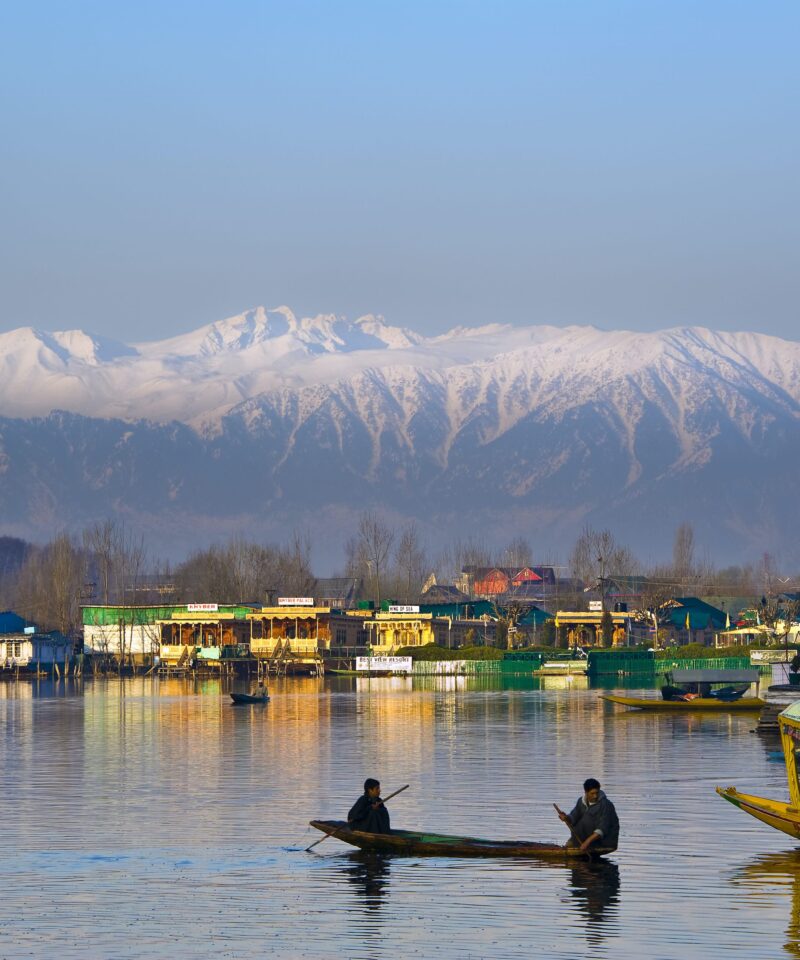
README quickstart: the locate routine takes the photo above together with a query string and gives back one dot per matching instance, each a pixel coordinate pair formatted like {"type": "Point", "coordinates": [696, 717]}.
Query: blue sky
{"type": "Point", "coordinates": [620, 164]}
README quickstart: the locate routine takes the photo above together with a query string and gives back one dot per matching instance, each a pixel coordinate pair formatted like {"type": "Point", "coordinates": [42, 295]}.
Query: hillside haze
{"type": "Point", "coordinates": [266, 421]}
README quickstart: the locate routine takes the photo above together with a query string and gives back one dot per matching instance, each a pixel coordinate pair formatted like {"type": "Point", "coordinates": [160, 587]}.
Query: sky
{"type": "Point", "coordinates": [622, 164]}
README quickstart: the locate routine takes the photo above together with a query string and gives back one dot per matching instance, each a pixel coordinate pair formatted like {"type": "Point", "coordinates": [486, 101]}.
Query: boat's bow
{"type": "Point", "coordinates": [781, 816]}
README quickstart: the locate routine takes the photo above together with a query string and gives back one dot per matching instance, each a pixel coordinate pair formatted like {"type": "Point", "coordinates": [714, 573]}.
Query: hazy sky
{"type": "Point", "coordinates": [626, 164]}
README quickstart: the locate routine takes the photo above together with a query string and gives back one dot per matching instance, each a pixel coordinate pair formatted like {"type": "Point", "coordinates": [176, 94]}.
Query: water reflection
{"type": "Point", "coordinates": [121, 792]}
{"type": "Point", "coordinates": [595, 887]}
{"type": "Point", "coordinates": [776, 873]}
{"type": "Point", "coordinates": [369, 875]}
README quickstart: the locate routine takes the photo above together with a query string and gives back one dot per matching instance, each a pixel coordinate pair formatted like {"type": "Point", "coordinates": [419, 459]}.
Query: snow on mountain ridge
{"type": "Point", "coordinates": [200, 377]}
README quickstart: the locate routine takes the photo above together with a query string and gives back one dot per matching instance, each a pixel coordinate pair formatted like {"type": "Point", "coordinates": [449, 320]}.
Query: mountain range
{"type": "Point", "coordinates": [265, 421]}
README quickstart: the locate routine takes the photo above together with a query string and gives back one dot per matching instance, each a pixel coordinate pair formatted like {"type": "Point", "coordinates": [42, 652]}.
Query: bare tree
{"type": "Point", "coordinates": [100, 543]}
{"type": "Point", "coordinates": [683, 561]}
{"type": "Point", "coordinates": [50, 585]}
{"type": "Point", "coordinates": [597, 554]}
{"type": "Point", "coordinates": [294, 562]}
{"type": "Point", "coordinates": [410, 561]}
{"type": "Point", "coordinates": [517, 554]}
{"type": "Point", "coordinates": [376, 539]}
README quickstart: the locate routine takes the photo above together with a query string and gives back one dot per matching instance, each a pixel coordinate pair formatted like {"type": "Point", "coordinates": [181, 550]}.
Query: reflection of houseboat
{"type": "Point", "coordinates": [777, 813]}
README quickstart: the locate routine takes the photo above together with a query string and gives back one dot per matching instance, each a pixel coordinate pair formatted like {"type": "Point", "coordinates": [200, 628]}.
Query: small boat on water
{"type": "Point", "coordinates": [249, 698]}
{"type": "Point", "coordinates": [777, 813]}
{"type": "Point", "coordinates": [716, 690]}
{"type": "Point", "coordinates": [686, 706]}
{"type": "Point", "coordinates": [417, 843]}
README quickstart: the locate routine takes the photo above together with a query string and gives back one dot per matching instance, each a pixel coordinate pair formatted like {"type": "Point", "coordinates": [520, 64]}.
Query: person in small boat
{"type": "Point", "coordinates": [368, 813]}
{"type": "Point", "coordinates": [260, 690]}
{"type": "Point", "coordinates": [593, 819]}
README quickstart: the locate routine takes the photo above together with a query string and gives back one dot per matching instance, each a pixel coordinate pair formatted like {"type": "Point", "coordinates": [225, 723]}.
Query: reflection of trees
{"type": "Point", "coordinates": [595, 888]}
{"type": "Point", "coordinates": [369, 875]}
{"type": "Point", "coordinates": [777, 872]}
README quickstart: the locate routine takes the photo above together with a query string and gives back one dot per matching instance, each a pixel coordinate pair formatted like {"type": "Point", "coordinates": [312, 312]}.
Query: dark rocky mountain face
{"type": "Point", "coordinates": [287, 460]}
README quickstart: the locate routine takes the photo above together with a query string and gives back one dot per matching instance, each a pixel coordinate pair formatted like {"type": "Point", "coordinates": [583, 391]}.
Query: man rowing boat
{"type": "Point", "coordinates": [593, 819]}
{"type": "Point", "coordinates": [369, 813]}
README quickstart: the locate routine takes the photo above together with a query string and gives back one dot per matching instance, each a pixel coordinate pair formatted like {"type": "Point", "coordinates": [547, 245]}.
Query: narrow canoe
{"type": "Point", "coordinates": [248, 698]}
{"type": "Point", "coordinates": [775, 813]}
{"type": "Point", "coordinates": [699, 703]}
{"type": "Point", "coordinates": [414, 843]}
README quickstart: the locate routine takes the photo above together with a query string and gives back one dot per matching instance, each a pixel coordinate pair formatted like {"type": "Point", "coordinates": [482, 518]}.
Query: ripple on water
{"type": "Point", "coordinates": [153, 818]}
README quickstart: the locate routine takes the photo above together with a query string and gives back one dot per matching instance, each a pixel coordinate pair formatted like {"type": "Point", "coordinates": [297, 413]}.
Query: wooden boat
{"type": "Point", "coordinates": [249, 698]}
{"type": "Point", "coordinates": [683, 706]}
{"type": "Point", "coordinates": [777, 813]}
{"type": "Point", "coordinates": [416, 843]}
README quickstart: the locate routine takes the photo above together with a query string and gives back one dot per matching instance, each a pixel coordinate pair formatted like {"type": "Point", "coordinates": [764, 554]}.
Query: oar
{"type": "Point", "coordinates": [332, 833]}
{"type": "Point", "coordinates": [575, 836]}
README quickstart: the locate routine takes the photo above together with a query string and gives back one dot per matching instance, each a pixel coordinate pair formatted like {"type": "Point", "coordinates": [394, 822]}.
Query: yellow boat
{"type": "Point", "coordinates": [683, 706]}
{"type": "Point", "coordinates": [777, 813]}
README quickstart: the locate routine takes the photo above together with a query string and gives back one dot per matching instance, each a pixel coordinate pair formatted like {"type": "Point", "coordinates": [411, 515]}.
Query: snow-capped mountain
{"type": "Point", "coordinates": [267, 419]}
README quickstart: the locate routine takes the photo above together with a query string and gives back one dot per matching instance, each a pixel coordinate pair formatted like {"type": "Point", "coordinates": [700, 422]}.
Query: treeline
{"type": "Point", "coordinates": [108, 562]}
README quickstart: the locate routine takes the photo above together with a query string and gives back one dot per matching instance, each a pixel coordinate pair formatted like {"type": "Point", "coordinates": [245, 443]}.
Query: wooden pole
{"type": "Point", "coordinates": [575, 836]}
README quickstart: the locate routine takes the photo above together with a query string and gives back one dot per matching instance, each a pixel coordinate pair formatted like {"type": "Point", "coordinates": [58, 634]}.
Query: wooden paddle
{"type": "Point", "coordinates": [575, 836]}
{"type": "Point", "coordinates": [333, 832]}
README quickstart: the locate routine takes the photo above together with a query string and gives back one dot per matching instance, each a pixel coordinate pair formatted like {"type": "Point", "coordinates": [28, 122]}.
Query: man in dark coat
{"type": "Point", "coordinates": [368, 813]}
{"type": "Point", "coordinates": [593, 819]}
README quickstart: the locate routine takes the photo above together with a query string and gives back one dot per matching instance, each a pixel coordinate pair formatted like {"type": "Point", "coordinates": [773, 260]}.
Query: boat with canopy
{"type": "Point", "coordinates": [777, 813]}
{"type": "Point", "coordinates": [686, 690]}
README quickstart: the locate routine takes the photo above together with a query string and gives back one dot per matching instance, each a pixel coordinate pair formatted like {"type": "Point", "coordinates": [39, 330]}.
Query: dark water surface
{"type": "Point", "coordinates": [152, 819]}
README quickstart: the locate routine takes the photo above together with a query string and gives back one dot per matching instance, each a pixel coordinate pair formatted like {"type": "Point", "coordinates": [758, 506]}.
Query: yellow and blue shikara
{"type": "Point", "coordinates": [777, 813]}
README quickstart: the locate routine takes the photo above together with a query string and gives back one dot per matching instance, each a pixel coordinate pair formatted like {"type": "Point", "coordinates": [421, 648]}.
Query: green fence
{"type": "Point", "coordinates": [621, 663]}
{"type": "Point", "coordinates": [507, 667]}
{"type": "Point", "coordinates": [712, 663]}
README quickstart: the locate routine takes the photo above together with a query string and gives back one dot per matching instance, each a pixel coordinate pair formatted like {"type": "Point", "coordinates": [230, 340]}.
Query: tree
{"type": "Point", "coordinates": [100, 543]}
{"type": "Point", "coordinates": [683, 566]}
{"type": "Point", "coordinates": [375, 541]}
{"type": "Point", "coordinates": [517, 554]}
{"type": "Point", "coordinates": [597, 555]}
{"type": "Point", "coordinates": [410, 561]}
{"type": "Point", "coordinates": [50, 585]}
{"type": "Point", "coordinates": [607, 629]}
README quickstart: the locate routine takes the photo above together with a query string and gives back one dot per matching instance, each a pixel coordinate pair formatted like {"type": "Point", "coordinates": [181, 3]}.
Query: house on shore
{"type": "Point", "coordinates": [24, 648]}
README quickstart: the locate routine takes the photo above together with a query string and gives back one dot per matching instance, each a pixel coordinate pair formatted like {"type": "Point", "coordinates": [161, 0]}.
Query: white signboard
{"type": "Point", "coordinates": [202, 607]}
{"type": "Point", "coordinates": [295, 601]}
{"type": "Point", "coordinates": [595, 606]}
{"type": "Point", "coordinates": [395, 664]}
{"type": "Point", "coordinates": [404, 609]}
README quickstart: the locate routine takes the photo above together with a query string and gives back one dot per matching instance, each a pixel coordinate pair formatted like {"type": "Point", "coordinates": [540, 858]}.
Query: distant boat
{"type": "Point", "coordinates": [694, 690]}
{"type": "Point", "coordinates": [249, 698]}
{"type": "Point", "coordinates": [416, 843]}
{"type": "Point", "coordinates": [776, 813]}
{"type": "Point", "coordinates": [687, 706]}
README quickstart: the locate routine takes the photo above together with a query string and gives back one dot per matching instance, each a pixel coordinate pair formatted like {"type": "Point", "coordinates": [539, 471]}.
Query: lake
{"type": "Point", "coordinates": [147, 818]}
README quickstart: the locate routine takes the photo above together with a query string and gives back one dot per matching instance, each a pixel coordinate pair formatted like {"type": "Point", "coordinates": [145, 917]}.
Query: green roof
{"type": "Point", "coordinates": [534, 617]}
{"type": "Point", "coordinates": [108, 616]}
{"type": "Point", "coordinates": [701, 615]}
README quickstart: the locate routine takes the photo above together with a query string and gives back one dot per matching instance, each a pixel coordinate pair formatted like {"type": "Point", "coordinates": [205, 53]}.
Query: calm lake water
{"type": "Point", "coordinates": [152, 819]}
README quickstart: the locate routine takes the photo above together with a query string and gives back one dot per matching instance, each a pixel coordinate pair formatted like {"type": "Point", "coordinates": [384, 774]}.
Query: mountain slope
{"type": "Point", "coordinates": [262, 421]}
